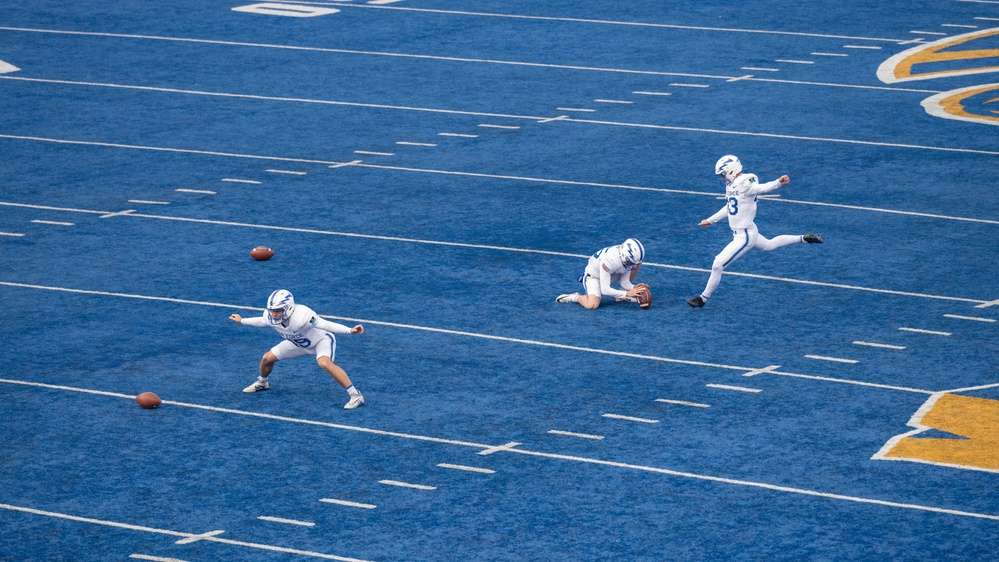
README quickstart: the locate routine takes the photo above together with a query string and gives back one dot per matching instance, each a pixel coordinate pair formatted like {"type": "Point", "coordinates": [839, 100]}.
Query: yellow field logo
{"type": "Point", "coordinates": [973, 424]}
{"type": "Point", "coordinates": [967, 54]}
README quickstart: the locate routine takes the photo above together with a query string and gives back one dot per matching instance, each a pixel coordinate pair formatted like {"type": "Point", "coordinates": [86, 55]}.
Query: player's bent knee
{"type": "Point", "coordinates": [324, 361]}
{"type": "Point", "coordinates": [268, 359]}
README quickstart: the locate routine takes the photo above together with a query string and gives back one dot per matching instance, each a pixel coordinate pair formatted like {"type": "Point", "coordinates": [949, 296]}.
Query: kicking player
{"type": "Point", "coordinates": [615, 264]}
{"type": "Point", "coordinates": [741, 192]}
{"type": "Point", "coordinates": [305, 333]}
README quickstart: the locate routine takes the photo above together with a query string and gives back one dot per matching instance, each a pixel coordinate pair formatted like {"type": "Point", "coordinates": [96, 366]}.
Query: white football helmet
{"type": "Point", "coordinates": [728, 167]}
{"type": "Point", "coordinates": [632, 253]}
{"type": "Point", "coordinates": [280, 300]}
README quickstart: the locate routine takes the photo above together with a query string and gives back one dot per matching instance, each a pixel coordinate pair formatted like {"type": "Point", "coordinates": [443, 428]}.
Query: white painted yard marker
{"type": "Point", "coordinates": [791, 61]}
{"type": "Point", "coordinates": [460, 135]}
{"type": "Point", "coordinates": [987, 19]}
{"type": "Point", "coordinates": [467, 468]}
{"type": "Point", "coordinates": [690, 85]}
{"type": "Point", "coordinates": [550, 119]}
{"type": "Point", "coordinates": [614, 101]}
{"type": "Point", "coordinates": [975, 318]}
{"type": "Point", "coordinates": [154, 558]}
{"type": "Point", "coordinates": [629, 418]}
{"type": "Point", "coordinates": [56, 223]}
{"type": "Point", "coordinates": [145, 202]}
{"type": "Point", "coordinates": [11, 234]}
{"type": "Point", "coordinates": [407, 143]}
{"type": "Point", "coordinates": [736, 388]}
{"type": "Point", "coordinates": [830, 54]}
{"type": "Point", "coordinates": [406, 485]}
{"type": "Point", "coordinates": [345, 164]}
{"type": "Point", "coordinates": [833, 359]}
{"type": "Point", "coordinates": [370, 153]}
{"type": "Point", "coordinates": [202, 191]}
{"type": "Point", "coordinates": [928, 33]}
{"type": "Point", "coordinates": [505, 447]}
{"type": "Point", "coordinates": [881, 345]}
{"type": "Point", "coordinates": [7, 67]}
{"type": "Point", "coordinates": [118, 214]}
{"type": "Point", "coordinates": [640, 93]}
{"type": "Point", "coordinates": [571, 434]}
{"type": "Point", "coordinates": [764, 370]}
{"type": "Point", "coordinates": [760, 69]}
{"type": "Point", "coordinates": [234, 180]}
{"type": "Point", "coordinates": [349, 504]}
{"type": "Point", "coordinates": [584, 110]}
{"type": "Point", "coordinates": [490, 126]}
{"type": "Point", "coordinates": [289, 172]}
{"type": "Point", "coordinates": [286, 521]}
{"type": "Point", "coordinates": [988, 304]}
{"type": "Point", "coordinates": [870, 47]}
{"type": "Point", "coordinates": [738, 78]}
{"type": "Point", "coordinates": [201, 537]}
{"type": "Point", "coordinates": [682, 403]}
{"type": "Point", "coordinates": [959, 25]}
{"type": "Point", "coordinates": [931, 332]}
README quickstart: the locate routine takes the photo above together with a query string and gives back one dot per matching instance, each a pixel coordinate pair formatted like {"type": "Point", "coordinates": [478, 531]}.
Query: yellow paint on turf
{"type": "Point", "coordinates": [976, 419]}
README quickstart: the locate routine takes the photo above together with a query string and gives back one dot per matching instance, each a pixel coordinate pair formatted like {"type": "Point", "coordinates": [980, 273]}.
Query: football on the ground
{"type": "Point", "coordinates": [148, 400]}
{"type": "Point", "coordinates": [644, 298]}
{"type": "Point", "coordinates": [261, 253]}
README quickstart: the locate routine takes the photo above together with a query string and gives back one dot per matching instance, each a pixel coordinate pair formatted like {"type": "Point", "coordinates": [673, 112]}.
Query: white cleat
{"type": "Point", "coordinates": [257, 387]}
{"type": "Point", "coordinates": [566, 297]}
{"type": "Point", "coordinates": [355, 401]}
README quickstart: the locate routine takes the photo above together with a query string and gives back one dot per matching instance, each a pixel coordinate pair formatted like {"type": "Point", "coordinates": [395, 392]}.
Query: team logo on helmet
{"type": "Point", "coordinates": [280, 300]}
{"type": "Point", "coordinates": [728, 167]}
{"type": "Point", "coordinates": [632, 253]}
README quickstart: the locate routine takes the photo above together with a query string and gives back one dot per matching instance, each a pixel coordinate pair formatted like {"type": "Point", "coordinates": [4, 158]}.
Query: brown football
{"type": "Point", "coordinates": [261, 253]}
{"type": "Point", "coordinates": [645, 298]}
{"type": "Point", "coordinates": [148, 400]}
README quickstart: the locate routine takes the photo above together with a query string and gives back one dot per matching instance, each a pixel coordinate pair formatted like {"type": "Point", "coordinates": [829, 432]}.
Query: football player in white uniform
{"type": "Point", "coordinates": [614, 264]}
{"type": "Point", "coordinates": [305, 333]}
{"type": "Point", "coordinates": [741, 192]}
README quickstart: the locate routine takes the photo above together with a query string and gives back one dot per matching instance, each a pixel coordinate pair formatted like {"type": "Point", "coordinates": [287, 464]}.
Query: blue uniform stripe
{"type": "Point", "coordinates": [744, 247]}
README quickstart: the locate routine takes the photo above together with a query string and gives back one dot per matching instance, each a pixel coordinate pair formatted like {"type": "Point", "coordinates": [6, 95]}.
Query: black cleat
{"type": "Point", "coordinates": [812, 238]}
{"type": "Point", "coordinates": [696, 302]}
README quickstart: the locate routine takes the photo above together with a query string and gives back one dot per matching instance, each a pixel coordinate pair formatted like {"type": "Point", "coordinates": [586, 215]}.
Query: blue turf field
{"type": "Point", "coordinates": [439, 171]}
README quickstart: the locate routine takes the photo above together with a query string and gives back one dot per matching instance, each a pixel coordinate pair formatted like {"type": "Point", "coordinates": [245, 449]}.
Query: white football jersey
{"type": "Point", "coordinates": [301, 328]}
{"type": "Point", "coordinates": [740, 198]}
{"type": "Point", "coordinates": [607, 260]}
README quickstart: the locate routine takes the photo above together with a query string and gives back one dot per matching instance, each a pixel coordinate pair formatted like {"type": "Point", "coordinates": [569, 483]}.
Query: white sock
{"type": "Point", "coordinates": [353, 391]}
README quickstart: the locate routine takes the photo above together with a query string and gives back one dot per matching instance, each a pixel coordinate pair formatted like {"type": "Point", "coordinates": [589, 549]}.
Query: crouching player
{"type": "Point", "coordinates": [615, 264]}
{"type": "Point", "coordinates": [305, 333]}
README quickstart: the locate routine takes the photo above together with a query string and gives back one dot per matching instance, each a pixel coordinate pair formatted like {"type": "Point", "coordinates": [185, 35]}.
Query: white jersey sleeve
{"type": "Point", "coordinates": [256, 322]}
{"type": "Point", "coordinates": [324, 324]}
{"type": "Point", "coordinates": [300, 328]}
{"type": "Point", "coordinates": [741, 196]}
